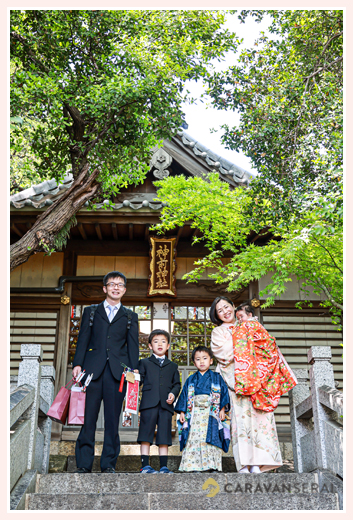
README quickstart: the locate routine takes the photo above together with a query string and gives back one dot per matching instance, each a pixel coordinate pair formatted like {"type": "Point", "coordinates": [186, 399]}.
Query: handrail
{"type": "Point", "coordinates": [317, 433]}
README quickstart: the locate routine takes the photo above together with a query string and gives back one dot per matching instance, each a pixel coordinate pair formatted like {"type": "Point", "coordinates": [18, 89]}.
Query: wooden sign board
{"type": "Point", "coordinates": [162, 266]}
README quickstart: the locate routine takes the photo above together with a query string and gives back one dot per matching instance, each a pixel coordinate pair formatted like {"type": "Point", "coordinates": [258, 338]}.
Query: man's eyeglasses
{"type": "Point", "coordinates": [115, 285]}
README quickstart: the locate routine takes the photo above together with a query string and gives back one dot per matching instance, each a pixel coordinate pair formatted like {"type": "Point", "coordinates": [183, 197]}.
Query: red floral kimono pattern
{"type": "Point", "coordinates": [260, 368]}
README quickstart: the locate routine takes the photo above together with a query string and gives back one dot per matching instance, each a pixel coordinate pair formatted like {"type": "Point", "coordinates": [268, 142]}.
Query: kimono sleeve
{"type": "Point", "coordinates": [222, 346]}
{"type": "Point", "coordinates": [182, 402]}
{"type": "Point", "coordinates": [224, 395]}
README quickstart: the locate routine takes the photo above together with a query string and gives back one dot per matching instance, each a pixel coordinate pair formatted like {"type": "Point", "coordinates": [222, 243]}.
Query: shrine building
{"type": "Point", "coordinates": [49, 293]}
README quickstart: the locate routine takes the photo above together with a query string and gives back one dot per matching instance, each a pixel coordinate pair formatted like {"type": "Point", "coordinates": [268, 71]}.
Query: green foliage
{"type": "Point", "coordinates": [64, 233]}
{"type": "Point", "coordinates": [309, 245]}
{"type": "Point", "coordinates": [103, 87]}
{"type": "Point", "coordinates": [288, 91]}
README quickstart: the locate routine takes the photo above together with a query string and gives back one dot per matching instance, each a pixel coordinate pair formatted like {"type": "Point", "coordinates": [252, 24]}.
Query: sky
{"type": "Point", "coordinates": [200, 118]}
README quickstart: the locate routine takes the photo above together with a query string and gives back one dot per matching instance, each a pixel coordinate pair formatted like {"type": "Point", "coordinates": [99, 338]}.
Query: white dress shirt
{"type": "Point", "coordinates": [116, 308]}
{"type": "Point", "coordinates": [159, 357]}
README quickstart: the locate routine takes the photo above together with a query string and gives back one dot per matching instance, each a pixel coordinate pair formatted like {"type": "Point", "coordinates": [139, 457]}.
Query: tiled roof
{"type": "Point", "coordinates": [41, 195]}
{"type": "Point", "coordinates": [214, 160]}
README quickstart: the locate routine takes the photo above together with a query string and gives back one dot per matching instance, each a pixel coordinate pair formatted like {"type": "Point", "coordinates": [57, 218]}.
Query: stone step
{"type": "Point", "coordinates": [105, 483]}
{"type": "Point", "coordinates": [132, 463]}
{"type": "Point", "coordinates": [182, 501]}
{"type": "Point", "coordinates": [68, 447]}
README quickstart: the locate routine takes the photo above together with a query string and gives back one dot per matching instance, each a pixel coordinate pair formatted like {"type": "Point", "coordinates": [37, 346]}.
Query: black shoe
{"type": "Point", "coordinates": [83, 470]}
{"type": "Point", "coordinates": [108, 470]}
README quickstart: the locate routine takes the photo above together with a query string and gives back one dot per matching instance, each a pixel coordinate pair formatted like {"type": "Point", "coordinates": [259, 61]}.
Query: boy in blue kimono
{"type": "Point", "coordinates": [203, 431]}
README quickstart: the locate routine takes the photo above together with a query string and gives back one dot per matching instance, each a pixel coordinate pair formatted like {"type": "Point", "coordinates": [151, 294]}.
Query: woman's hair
{"type": "Point", "coordinates": [213, 313]}
{"type": "Point", "coordinates": [247, 307]}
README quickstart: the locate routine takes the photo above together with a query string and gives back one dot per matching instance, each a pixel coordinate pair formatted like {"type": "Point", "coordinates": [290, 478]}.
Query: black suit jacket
{"type": "Point", "coordinates": [105, 339]}
{"type": "Point", "coordinates": [158, 382]}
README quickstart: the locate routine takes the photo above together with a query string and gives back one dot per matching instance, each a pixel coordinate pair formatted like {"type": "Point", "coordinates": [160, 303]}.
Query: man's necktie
{"type": "Point", "coordinates": [111, 312]}
{"type": "Point", "coordinates": [160, 361]}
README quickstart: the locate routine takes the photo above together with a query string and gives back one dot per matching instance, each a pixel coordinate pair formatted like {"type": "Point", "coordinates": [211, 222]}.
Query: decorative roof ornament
{"type": "Point", "coordinates": [161, 160]}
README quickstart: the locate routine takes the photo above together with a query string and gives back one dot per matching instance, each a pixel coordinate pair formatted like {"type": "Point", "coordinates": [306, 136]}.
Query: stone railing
{"type": "Point", "coordinates": [316, 410]}
{"type": "Point", "coordinates": [30, 428]}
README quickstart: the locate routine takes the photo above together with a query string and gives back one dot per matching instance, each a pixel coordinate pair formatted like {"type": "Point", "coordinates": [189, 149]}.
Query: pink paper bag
{"type": "Point", "coordinates": [77, 408]}
{"type": "Point", "coordinates": [58, 410]}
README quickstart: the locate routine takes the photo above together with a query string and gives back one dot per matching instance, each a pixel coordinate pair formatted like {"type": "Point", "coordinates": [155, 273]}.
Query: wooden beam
{"type": "Point", "coordinates": [147, 232]}
{"type": "Point", "coordinates": [180, 230]}
{"type": "Point", "coordinates": [82, 231]}
{"type": "Point", "coordinates": [131, 231]}
{"type": "Point", "coordinates": [114, 231]}
{"type": "Point", "coordinates": [132, 248]}
{"type": "Point", "coordinates": [98, 231]}
{"type": "Point", "coordinates": [16, 230]}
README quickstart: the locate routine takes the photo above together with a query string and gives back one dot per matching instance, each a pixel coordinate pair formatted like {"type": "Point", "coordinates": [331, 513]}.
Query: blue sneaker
{"type": "Point", "coordinates": [148, 469]}
{"type": "Point", "coordinates": [165, 470]}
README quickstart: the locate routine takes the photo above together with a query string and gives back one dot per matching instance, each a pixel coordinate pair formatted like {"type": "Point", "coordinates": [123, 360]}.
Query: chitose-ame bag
{"type": "Point", "coordinates": [58, 410]}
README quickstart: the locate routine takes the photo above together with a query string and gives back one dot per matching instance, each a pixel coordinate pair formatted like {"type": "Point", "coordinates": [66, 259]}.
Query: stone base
{"type": "Point", "coordinates": [57, 463]}
{"type": "Point", "coordinates": [26, 484]}
{"type": "Point", "coordinates": [187, 491]}
{"type": "Point", "coordinates": [185, 501]}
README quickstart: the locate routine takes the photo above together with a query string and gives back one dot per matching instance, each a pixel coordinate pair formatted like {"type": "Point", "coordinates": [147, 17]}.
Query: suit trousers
{"type": "Point", "coordinates": [105, 387]}
{"type": "Point", "coordinates": [149, 418]}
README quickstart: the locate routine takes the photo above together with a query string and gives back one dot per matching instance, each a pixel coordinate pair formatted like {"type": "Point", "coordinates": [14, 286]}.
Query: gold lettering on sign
{"type": "Point", "coordinates": [162, 263]}
{"type": "Point", "coordinates": [162, 266]}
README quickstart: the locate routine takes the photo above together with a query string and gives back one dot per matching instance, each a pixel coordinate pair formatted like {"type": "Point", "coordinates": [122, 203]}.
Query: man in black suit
{"type": "Point", "coordinates": [101, 348]}
{"type": "Point", "coordinates": [161, 386]}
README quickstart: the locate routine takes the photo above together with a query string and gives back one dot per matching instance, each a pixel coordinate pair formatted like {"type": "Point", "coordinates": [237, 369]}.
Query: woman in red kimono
{"type": "Point", "coordinates": [256, 374]}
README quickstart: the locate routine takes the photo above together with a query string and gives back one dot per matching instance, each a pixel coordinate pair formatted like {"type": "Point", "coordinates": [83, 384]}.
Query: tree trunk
{"type": "Point", "coordinates": [41, 237]}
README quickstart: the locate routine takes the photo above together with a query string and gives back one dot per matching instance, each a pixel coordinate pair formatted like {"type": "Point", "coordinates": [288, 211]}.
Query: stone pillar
{"type": "Point", "coordinates": [44, 422]}
{"type": "Point", "coordinates": [300, 427]}
{"type": "Point", "coordinates": [29, 372]}
{"type": "Point", "coordinates": [321, 373]}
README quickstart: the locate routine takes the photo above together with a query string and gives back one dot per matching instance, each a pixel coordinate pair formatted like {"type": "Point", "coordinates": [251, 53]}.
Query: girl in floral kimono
{"type": "Point", "coordinates": [257, 375]}
{"type": "Point", "coordinates": [203, 432]}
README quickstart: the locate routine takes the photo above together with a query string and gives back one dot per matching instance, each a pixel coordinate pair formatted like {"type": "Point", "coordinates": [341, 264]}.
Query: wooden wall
{"type": "Point", "coordinates": [40, 270]}
{"type": "Point", "coordinates": [33, 327]}
{"type": "Point", "coordinates": [131, 266]}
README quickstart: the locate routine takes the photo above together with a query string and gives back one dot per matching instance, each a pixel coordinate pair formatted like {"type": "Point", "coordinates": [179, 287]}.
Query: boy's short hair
{"type": "Point", "coordinates": [201, 349]}
{"type": "Point", "coordinates": [114, 274]}
{"type": "Point", "coordinates": [158, 332]}
{"type": "Point", "coordinates": [247, 307]}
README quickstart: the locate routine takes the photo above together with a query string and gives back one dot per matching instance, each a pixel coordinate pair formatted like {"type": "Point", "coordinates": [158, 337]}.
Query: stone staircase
{"type": "Point", "coordinates": [129, 490]}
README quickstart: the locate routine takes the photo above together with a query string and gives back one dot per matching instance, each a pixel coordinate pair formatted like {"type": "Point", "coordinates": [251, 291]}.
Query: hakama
{"type": "Point", "coordinates": [203, 435]}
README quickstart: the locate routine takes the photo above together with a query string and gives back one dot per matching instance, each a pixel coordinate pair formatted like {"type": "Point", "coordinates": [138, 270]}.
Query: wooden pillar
{"type": "Point", "coordinates": [62, 353]}
{"type": "Point", "coordinates": [254, 293]}
{"type": "Point", "coordinates": [70, 263]}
